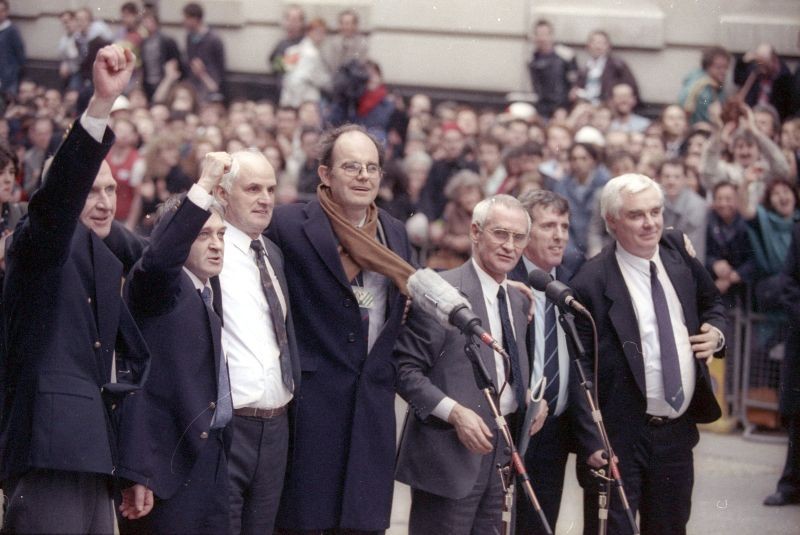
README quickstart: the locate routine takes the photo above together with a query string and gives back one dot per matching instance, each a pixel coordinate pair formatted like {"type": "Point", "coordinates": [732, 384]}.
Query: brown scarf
{"type": "Point", "coordinates": [358, 248]}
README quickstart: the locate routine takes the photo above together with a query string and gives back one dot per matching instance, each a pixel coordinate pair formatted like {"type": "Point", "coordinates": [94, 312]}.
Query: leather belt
{"type": "Point", "coordinates": [658, 421]}
{"type": "Point", "coordinates": [263, 414]}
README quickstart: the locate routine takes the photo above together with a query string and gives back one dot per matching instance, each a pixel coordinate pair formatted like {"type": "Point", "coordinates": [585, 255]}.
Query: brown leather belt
{"type": "Point", "coordinates": [263, 414]}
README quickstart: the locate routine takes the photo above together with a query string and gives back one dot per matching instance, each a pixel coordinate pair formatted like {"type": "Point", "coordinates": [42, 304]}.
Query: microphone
{"type": "Point", "coordinates": [556, 291]}
{"type": "Point", "coordinates": [441, 300]}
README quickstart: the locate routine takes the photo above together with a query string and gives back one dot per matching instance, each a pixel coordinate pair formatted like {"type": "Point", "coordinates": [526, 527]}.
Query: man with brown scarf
{"type": "Point", "coordinates": [346, 265]}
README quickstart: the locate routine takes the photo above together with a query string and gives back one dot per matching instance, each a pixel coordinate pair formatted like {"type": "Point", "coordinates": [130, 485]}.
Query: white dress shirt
{"type": "Point", "coordinates": [508, 401]}
{"type": "Point", "coordinates": [636, 273]}
{"type": "Point", "coordinates": [537, 370]}
{"type": "Point", "coordinates": [248, 337]}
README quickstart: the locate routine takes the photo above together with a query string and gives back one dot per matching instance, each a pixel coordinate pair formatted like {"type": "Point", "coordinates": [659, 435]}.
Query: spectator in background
{"type": "Point", "coordinates": [205, 55]}
{"type": "Point", "coordinates": [558, 141]}
{"type": "Point", "coordinates": [490, 161]}
{"type": "Point", "coordinates": [69, 59]}
{"type": "Point", "coordinates": [128, 170]}
{"type": "Point", "coordinates": [12, 52]}
{"type": "Point", "coordinates": [307, 176]}
{"type": "Point", "coordinates": [294, 25]}
{"type": "Point", "coordinates": [375, 107]}
{"type": "Point", "coordinates": [764, 78]}
{"type": "Point", "coordinates": [753, 154]}
{"type": "Point", "coordinates": [40, 136]}
{"type": "Point", "coordinates": [729, 255]}
{"type": "Point", "coordinates": [704, 86]}
{"type": "Point", "coordinates": [130, 34]}
{"type": "Point", "coordinates": [10, 211]}
{"type": "Point", "coordinates": [347, 45]}
{"type": "Point", "coordinates": [674, 128]}
{"type": "Point", "coordinates": [684, 210]}
{"type": "Point", "coordinates": [161, 59]}
{"type": "Point", "coordinates": [623, 102]}
{"type": "Point", "coordinates": [552, 69]}
{"type": "Point", "coordinates": [433, 199]}
{"type": "Point", "coordinates": [767, 121]}
{"type": "Point", "coordinates": [306, 75]}
{"type": "Point", "coordinates": [581, 187]}
{"type": "Point", "coordinates": [90, 37]}
{"type": "Point", "coordinates": [450, 235]}
{"type": "Point", "coordinates": [602, 71]}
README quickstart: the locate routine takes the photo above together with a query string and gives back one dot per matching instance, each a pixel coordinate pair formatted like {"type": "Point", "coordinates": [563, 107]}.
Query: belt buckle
{"type": "Point", "coordinates": [657, 421]}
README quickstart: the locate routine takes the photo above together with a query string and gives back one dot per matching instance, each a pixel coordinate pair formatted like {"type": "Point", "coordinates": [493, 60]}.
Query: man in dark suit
{"type": "Point", "coordinates": [788, 488]}
{"type": "Point", "coordinates": [347, 268]}
{"type": "Point", "coordinates": [258, 339]}
{"type": "Point", "coordinates": [73, 349]}
{"type": "Point", "coordinates": [659, 318]}
{"type": "Point", "coordinates": [173, 434]}
{"type": "Point", "coordinates": [546, 456]}
{"type": "Point", "coordinates": [451, 446]}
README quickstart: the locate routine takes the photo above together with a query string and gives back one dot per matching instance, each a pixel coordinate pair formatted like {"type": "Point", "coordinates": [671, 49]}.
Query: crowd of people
{"type": "Point", "coordinates": [306, 438]}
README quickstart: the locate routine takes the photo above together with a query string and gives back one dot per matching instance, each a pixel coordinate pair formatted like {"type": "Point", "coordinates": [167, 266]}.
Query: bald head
{"type": "Point", "coordinates": [248, 192]}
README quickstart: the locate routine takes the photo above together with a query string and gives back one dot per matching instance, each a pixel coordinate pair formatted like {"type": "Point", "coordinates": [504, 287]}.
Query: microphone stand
{"type": "Point", "coordinates": [484, 382]}
{"type": "Point", "coordinates": [567, 321]}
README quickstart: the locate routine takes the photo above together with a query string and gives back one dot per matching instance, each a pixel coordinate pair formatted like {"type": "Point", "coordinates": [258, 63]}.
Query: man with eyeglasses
{"type": "Point", "coordinates": [451, 446]}
{"type": "Point", "coordinates": [346, 264]}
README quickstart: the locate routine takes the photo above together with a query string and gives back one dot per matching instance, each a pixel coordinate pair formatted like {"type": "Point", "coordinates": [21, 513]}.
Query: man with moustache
{"type": "Point", "coordinates": [347, 268]}
{"type": "Point", "coordinates": [546, 456]}
{"type": "Point", "coordinates": [174, 434]}
{"type": "Point", "coordinates": [73, 349]}
{"type": "Point", "coordinates": [659, 318]}
{"type": "Point", "coordinates": [258, 339]}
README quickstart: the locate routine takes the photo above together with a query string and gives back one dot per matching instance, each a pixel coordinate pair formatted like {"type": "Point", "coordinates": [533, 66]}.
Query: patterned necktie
{"type": "Point", "coordinates": [276, 312]}
{"type": "Point", "coordinates": [510, 345]}
{"type": "Point", "coordinates": [670, 366]}
{"type": "Point", "coordinates": [224, 406]}
{"type": "Point", "coordinates": [550, 369]}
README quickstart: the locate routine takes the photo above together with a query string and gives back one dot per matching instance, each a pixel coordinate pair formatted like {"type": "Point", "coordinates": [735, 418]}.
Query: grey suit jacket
{"type": "Point", "coordinates": [432, 365]}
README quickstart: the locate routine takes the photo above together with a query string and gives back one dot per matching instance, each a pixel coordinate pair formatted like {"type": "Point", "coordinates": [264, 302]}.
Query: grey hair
{"type": "Point", "coordinates": [611, 196]}
{"type": "Point", "coordinates": [462, 180]}
{"type": "Point", "coordinates": [237, 159]}
{"type": "Point", "coordinates": [417, 158]}
{"type": "Point", "coordinates": [481, 211]}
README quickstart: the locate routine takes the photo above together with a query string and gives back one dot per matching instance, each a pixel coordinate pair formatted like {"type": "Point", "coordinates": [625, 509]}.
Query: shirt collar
{"type": "Point", "coordinates": [198, 284]}
{"type": "Point", "coordinates": [530, 266]}
{"type": "Point", "coordinates": [239, 239]}
{"type": "Point", "coordinates": [637, 262]}
{"type": "Point", "coordinates": [488, 284]}
{"type": "Point", "coordinates": [5, 25]}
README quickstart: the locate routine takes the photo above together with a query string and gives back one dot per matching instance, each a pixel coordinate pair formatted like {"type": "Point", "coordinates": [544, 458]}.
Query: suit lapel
{"type": "Point", "coordinates": [320, 234]}
{"type": "Point", "coordinates": [470, 286]}
{"type": "Point", "coordinates": [623, 318]}
{"type": "Point", "coordinates": [108, 283]}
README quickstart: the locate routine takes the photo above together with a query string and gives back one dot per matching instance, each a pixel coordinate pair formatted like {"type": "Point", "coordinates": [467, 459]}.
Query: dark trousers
{"type": "Point", "coordinates": [789, 482]}
{"type": "Point", "coordinates": [201, 504]}
{"type": "Point", "coordinates": [56, 501]}
{"type": "Point", "coordinates": [658, 473]}
{"type": "Point", "coordinates": [332, 531]}
{"type": "Point", "coordinates": [545, 461]}
{"type": "Point", "coordinates": [257, 465]}
{"type": "Point", "coordinates": [479, 513]}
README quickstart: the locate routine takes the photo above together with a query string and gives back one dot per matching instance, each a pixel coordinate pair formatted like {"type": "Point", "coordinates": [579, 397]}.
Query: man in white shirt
{"type": "Point", "coordinates": [451, 445]}
{"type": "Point", "coordinates": [258, 339]}
{"type": "Point", "coordinates": [659, 318]}
{"type": "Point", "coordinates": [546, 456]}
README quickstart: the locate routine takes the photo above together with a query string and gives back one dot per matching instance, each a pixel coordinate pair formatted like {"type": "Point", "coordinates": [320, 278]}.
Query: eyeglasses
{"type": "Point", "coordinates": [501, 235]}
{"type": "Point", "coordinates": [353, 169]}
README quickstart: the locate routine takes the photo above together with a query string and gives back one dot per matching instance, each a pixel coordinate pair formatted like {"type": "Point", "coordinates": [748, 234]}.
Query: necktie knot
{"type": "Point", "coordinates": [653, 270]}
{"type": "Point", "coordinates": [258, 247]}
{"type": "Point", "coordinates": [205, 294]}
{"type": "Point", "coordinates": [501, 293]}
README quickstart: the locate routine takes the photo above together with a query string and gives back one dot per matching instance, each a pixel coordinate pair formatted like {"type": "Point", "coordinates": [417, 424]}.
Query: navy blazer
{"type": "Point", "coordinates": [164, 427]}
{"type": "Point", "coordinates": [600, 287]}
{"type": "Point", "coordinates": [64, 322]}
{"type": "Point", "coordinates": [346, 399]}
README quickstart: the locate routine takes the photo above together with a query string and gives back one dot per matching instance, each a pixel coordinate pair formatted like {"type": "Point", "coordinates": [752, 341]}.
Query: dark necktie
{"type": "Point", "coordinates": [510, 345]}
{"type": "Point", "coordinates": [224, 406]}
{"type": "Point", "coordinates": [670, 366]}
{"type": "Point", "coordinates": [550, 369]}
{"type": "Point", "coordinates": [276, 312]}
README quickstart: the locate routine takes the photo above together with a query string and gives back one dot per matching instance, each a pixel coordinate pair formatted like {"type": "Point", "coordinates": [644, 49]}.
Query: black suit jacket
{"type": "Point", "coordinates": [64, 322]}
{"type": "Point", "coordinates": [600, 287]}
{"type": "Point", "coordinates": [164, 427]}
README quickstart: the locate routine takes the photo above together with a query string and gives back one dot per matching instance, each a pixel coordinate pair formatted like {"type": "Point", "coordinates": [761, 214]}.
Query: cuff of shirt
{"type": "Point", "coordinates": [200, 197]}
{"type": "Point", "coordinates": [443, 409]}
{"type": "Point", "coordinates": [95, 126]}
{"type": "Point", "coordinates": [721, 342]}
